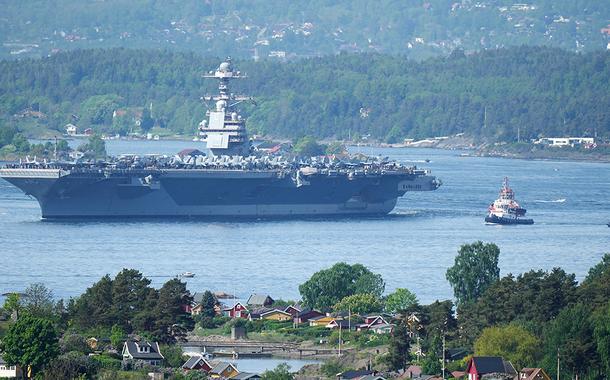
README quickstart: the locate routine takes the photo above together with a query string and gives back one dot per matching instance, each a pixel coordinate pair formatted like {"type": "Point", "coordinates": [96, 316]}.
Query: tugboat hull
{"type": "Point", "coordinates": [501, 220]}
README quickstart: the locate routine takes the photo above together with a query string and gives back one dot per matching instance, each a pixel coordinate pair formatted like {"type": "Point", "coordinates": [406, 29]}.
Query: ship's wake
{"type": "Point", "coordinates": [560, 200]}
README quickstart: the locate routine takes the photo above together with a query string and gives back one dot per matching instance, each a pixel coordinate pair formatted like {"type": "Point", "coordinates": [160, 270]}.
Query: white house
{"type": "Point", "coordinates": [71, 129]}
{"type": "Point", "coordinates": [7, 371]}
{"type": "Point", "coordinates": [142, 351]}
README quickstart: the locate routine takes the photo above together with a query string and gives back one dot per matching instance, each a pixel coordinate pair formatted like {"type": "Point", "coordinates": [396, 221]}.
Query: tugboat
{"type": "Point", "coordinates": [505, 209]}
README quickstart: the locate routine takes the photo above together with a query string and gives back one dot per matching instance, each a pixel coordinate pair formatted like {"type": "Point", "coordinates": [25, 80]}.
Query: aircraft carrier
{"type": "Point", "coordinates": [231, 180]}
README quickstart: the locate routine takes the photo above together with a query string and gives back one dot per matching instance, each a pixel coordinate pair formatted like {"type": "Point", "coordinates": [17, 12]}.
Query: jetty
{"type": "Point", "coordinates": [248, 348]}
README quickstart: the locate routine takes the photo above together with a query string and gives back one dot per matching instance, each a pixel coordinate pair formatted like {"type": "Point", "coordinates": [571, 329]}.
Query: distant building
{"type": "Point", "coordinates": [71, 129]}
{"type": "Point", "coordinates": [566, 141]}
{"type": "Point", "coordinates": [259, 300]}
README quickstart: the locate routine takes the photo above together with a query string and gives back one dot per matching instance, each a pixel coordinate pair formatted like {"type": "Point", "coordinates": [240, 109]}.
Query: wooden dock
{"type": "Point", "coordinates": [254, 348]}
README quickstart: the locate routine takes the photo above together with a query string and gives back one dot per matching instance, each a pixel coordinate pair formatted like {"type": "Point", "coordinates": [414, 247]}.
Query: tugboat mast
{"type": "Point", "coordinates": [225, 130]}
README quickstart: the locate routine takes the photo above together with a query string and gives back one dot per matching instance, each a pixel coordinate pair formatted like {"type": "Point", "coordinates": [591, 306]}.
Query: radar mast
{"type": "Point", "coordinates": [224, 131]}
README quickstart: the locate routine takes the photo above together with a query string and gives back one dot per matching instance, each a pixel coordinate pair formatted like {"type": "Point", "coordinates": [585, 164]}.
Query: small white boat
{"type": "Point", "coordinates": [187, 274]}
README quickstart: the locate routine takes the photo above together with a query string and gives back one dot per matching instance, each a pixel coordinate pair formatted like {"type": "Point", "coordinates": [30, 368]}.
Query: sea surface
{"type": "Point", "coordinates": [411, 248]}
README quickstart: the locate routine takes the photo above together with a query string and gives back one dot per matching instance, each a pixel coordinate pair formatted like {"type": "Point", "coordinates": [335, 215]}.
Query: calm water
{"type": "Point", "coordinates": [411, 248]}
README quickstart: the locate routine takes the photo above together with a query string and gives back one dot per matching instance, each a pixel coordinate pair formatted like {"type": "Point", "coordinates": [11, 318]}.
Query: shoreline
{"type": "Point", "coordinates": [485, 150]}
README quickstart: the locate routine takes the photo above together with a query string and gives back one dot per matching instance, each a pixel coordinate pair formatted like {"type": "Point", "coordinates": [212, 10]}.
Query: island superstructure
{"type": "Point", "coordinates": [230, 181]}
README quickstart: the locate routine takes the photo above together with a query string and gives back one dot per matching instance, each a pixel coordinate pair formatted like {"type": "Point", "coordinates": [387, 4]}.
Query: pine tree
{"type": "Point", "coordinates": [400, 345]}
{"type": "Point", "coordinates": [172, 320]}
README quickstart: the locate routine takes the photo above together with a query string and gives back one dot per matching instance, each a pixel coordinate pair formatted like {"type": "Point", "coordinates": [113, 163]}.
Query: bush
{"type": "Point", "coordinates": [107, 362]}
{"type": "Point", "coordinates": [72, 342]}
{"type": "Point", "coordinates": [173, 356]}
{"type": "Point", "coordinates": [71, 366]}
{"type": "Point", "coordinates": [331, 368]}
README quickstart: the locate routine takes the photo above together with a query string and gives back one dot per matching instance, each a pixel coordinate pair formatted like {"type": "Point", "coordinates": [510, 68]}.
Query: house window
{"type": "Point", "coordinates": [2, 368]}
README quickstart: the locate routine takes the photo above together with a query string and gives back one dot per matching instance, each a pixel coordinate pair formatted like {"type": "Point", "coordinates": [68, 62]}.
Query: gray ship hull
{"type": "Point", "coordinates": [211, 193]}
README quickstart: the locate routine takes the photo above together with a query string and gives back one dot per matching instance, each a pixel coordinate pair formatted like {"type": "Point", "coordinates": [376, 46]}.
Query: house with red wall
{"type": "Point", "coordinates": [483, 365]}
{"type": "Point", "coordinates": [236, 311]}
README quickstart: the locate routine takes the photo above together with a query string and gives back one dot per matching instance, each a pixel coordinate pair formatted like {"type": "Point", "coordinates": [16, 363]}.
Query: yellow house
{"type": "Point", "coordinates": [277, 315]}
{"type": "Point", "coordinates": [321, 321]}
{"type": "Point", "coordinates": [223, 370]}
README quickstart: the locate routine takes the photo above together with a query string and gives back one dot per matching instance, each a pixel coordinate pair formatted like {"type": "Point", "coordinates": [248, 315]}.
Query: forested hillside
{"type": "Point", "coordinates": [489, 95]}
{"type": "Point", "coordinates": [283, 29]}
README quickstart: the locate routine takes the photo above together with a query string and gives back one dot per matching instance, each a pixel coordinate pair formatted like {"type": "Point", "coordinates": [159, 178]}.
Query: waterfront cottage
{"type": "Point", "coordinates": [237, 311]}
{"type": "Point", "coordinates": [197, 363]}
{"type": "Point", "coordinates": [483, 365]}
{"type": "Point", "coordinates": [322, 320]}
{"type": "Point", "coordinates": [292, 310]}
{"type": "Point", "coordinates": [305, 315]}
{"type": "Point", "coordinates": [256, 314]}
{"type": "Point", "coordinates": [223, 370]}
{"type": "Point", "coordinates": [259, 300]}
{"type": "Point", "coordinates": [138, 353]}
{"type": "Point", "coordinates": [276, 315]}
{"type": "Point", "coordinates": [372, 321]}
{"type": "Point", "coordinates": [339, 323]}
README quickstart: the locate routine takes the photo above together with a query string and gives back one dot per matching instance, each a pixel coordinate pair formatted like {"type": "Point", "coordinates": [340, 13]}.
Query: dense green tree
{"type": "Point", "coordinates": [95, 147]}
{"type": "Point", "coordinates": [571, 336]}
{"type": "Point", "coordinates": [21, 143]}
{"type": "Point", "coordinates": [174, 356]}
{"type": "Point", "coordinates": [147, 121]}
{"type": "Point", "coordinates": [596, 286]}
{"type": "Point", "coordinates": [38, 301]}
{"type": "Point", "coordinates": [399, 347]}
{"type": "Point", "coordinates": [360, 304]}
{"type": "Point", "coordinates": [144, 319]}
{"type": "Point", "coordinates": [533, 298]}
{"type": "Point", "coordinates": [475, 269]}
{"type": "Point", "coordinates": [73, 342]}
{"type": "Point", "coordinates": [386, 97]}
{"type": "Point", "coordinates": [431, 364]}
{"type": "Point", "coordinates": [30, 343]}
{"type": "Point", "coordinates": [511, 342]}
{"type": "Point", "coordinates": [94, 307]}
{"type": "Point", "coordinates": [281, 372]}
{"type": "Point", "coordinates": [117, 336]}
{"type": "Point", "coordinates": [329, 286]}
{"type": "Point", "coordinates": [71, 366]}
{"type": "Point", "coordinates": [206, 317]}
{"type": "Point", "coordinates": [129, 290]}
{"type": "Point", "coordinates": [13, 304]}
{"type": "Point", "coordinates": [172, 321]}
{"type": "Point", "coordinates": [308, 146]}
{"type": "Point", "coordinates": [601, 334]}
{"type": "Point", "coordinates": [99, 109]}
{"type": "Point", "coordinates": [400, 300]}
